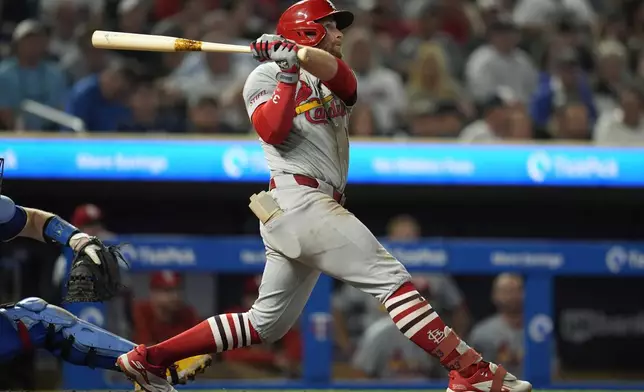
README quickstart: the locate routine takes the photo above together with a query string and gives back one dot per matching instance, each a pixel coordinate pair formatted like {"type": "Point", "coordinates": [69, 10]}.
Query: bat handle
{"type": "Point", "coordinates": [303, 55]}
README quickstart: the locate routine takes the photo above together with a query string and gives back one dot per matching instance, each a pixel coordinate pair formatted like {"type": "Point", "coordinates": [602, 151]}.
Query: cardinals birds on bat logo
{"type": "Point", "coordinates": [303, 93]}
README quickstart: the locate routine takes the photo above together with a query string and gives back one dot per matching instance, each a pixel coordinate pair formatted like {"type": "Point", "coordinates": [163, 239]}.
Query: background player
{"type": "Point", "coordinates": [33, 323]}
{"type": "Point", "coordinates": [302, 118]}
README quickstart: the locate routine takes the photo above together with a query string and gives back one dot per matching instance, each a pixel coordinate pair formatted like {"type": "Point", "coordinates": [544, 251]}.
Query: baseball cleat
{"type": "Point", "coordinates": [184, 370]}
{"type": "Point", "coordinates": [150, 378]}
{"type": "Point", "coordinates": [488, 377]}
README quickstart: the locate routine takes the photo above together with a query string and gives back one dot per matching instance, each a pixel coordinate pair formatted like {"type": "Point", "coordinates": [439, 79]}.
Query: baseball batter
{"type": "Point", "coordinates": [301, 114]}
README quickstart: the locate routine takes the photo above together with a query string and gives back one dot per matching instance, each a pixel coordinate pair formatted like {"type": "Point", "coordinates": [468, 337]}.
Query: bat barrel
{"type": "Point", "coordinates": [159, 43]}
{"type": "Point", "coordinates": [130, 41]}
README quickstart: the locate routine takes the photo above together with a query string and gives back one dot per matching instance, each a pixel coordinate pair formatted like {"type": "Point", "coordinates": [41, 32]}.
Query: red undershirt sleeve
{"type": "Point", "coordinates": [273, 120]}
{"type": "Point", "coordinates": [344, 84]}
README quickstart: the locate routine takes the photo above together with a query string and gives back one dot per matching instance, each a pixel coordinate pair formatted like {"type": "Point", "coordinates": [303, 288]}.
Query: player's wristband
{"type": "Point", "coordinates": [58, 231]}
{"type": "Point", "coordinates": [288, 77]}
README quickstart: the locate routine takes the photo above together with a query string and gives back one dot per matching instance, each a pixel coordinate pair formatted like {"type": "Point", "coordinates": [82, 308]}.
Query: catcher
{"type": "Point", "coordinates": [33, 323]}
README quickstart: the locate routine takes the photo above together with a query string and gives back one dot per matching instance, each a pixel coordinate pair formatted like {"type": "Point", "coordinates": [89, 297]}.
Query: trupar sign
{"type": "Point", "coordinates": [619, 258]}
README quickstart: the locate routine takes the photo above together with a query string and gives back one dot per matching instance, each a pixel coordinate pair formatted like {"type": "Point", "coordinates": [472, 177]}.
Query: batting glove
{"type": "Point", "coordinates": [285, 56]}
{"type": "Point", "coordinates": [260, 48]}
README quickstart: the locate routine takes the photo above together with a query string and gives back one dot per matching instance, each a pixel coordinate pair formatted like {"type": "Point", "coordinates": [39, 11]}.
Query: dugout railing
{"type": "Point", "coordinates": [539, 261]}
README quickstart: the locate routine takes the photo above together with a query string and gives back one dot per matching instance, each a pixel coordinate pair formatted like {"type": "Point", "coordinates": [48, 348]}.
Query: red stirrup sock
{"type": "Point", "coordinates": [216, 334]}
{"type": "Point", "coordinates": [420, 323]}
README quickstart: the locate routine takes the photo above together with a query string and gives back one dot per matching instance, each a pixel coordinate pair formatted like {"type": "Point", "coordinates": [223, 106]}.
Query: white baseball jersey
{"type": "Point", "coordinates": [318, 144]}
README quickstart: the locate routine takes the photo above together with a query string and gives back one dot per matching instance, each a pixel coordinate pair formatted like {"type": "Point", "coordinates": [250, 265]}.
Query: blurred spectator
{"type": "Point", "coordinates": [564, 83]}
{"type": "Point", "coordinates": [13, 12]}
{"type": "Point", "coordinates": [449, 54]}
{"type": "Point", "coordinates": [639, 66]}
{"type": "Point", "coordinates": [182, 23]}
{"type": "Point", "coordinates": [612, 74]}
{"type": "Point", "coordinates": [169, 61]}
{"type": "Point", "coordinates": [132, 17]}
{"type": "Point", "coordinates": [403, 228]}
{"type": "Point", "coordinates": [521, 124]}
{"type": "Point", "coordinates": [489, 12]}
{"type": "Point", "coordinates": [83, 59]}
{"type": "Point", "coordinates": [284, 356]}
{"type": "Point", "coordinates": [385, 18]}
{"type": "Point", "coordinates": [539, 14]}
{"type": "Point", "coordinates": [243, 20]}
{"type": "Point", "coordinates": [500, 63]}
{"type": "Point", "coordinates": [495, 123]}
{"type": "Point", "coordinates": [205, 74]}
{"type": "Point", "coordinates": [100, 100]}
{"type": "Point", "coordinates": [166, 8]}
{"type": "Point", "coordinates": [89, 10]}
{"type": "Point", "coordinates": [205, 117]}
{"type": "Point", "coordinates": [455, 21]}
{"type": "Point", "coordinates": [380, 87]}
{"type": "Point", "coordinates": [429, 78]}
{"type": "Point", "coordinates": [435, 119]}
{"type": "Point", "coordinates": [569, 34]}
{"type": "Point", "coordinates": [634, 13]}
{"type": "Point", "coordinates": [623, 125]}
{"type": "Point", "coordinates": [384, 353]}
{"type": "Point", "coordinates": [425, 30]}
{"type": "Point", "coordinates": [499, 338]}
{"type": "Point", "coordinates": [27, 75]}
{"type": "Point", "coordinates": [64, 17]}
{"type": "Point", "coordinates": [444, 295]}
{"type": "Point", "coordinates": [219, 22]}
{"type": "Point", "coordinates": [614, 28]}
{"type": "Point", "coordinates": [571, 122]}
{"type": "Point", "coordinates": [88, 218]}
{"type": "Point", "coordinates": [362, 121]}
{"type": "Point", "coordinates": [147, 113]}
{"type": "Point", "coordinates": [164, 314]}
{"type": "Point", "coordinates": [354, 311]}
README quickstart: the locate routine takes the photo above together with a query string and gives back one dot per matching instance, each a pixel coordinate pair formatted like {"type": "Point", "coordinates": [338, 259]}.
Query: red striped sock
{"type": "Point", "coordinates": [214, 335]}
{"type": "Point", "coordinates": [420, 323]}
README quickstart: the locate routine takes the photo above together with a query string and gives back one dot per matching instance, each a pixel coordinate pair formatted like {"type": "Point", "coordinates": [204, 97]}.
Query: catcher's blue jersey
{"type": "Point", "coordinates": [10, 344]}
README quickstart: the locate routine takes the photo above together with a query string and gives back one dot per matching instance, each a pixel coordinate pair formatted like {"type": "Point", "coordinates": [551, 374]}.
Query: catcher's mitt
{"type": "Point", "coordinates": [93, 282]}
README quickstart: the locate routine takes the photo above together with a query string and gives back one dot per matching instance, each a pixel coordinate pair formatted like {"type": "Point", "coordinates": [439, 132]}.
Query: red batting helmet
{"type": "Point", "coordinates": [299, 23]}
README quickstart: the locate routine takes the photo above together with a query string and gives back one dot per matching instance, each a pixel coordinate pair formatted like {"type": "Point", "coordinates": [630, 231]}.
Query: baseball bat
{"type": "Point", "coordinates": [102, 39]}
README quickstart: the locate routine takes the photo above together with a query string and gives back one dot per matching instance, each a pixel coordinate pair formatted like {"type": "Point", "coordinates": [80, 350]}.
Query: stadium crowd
{"type": "Point", "coordinates": [475, 70]}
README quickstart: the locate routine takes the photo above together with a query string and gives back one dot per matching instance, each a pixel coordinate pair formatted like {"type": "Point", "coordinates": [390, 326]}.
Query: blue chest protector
{"type": "Point", "coordinates": [33, 323]}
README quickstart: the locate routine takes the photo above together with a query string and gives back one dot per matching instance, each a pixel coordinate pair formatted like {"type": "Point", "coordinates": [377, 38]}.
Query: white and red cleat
{"type": "Point", "coordinates": [150, 378]}
{"type": "Point", "coordinates": [488, 377]}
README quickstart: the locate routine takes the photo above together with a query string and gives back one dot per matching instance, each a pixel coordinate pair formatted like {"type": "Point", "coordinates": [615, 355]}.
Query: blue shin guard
{"type": "Point", "coordinates": [33, 323]}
